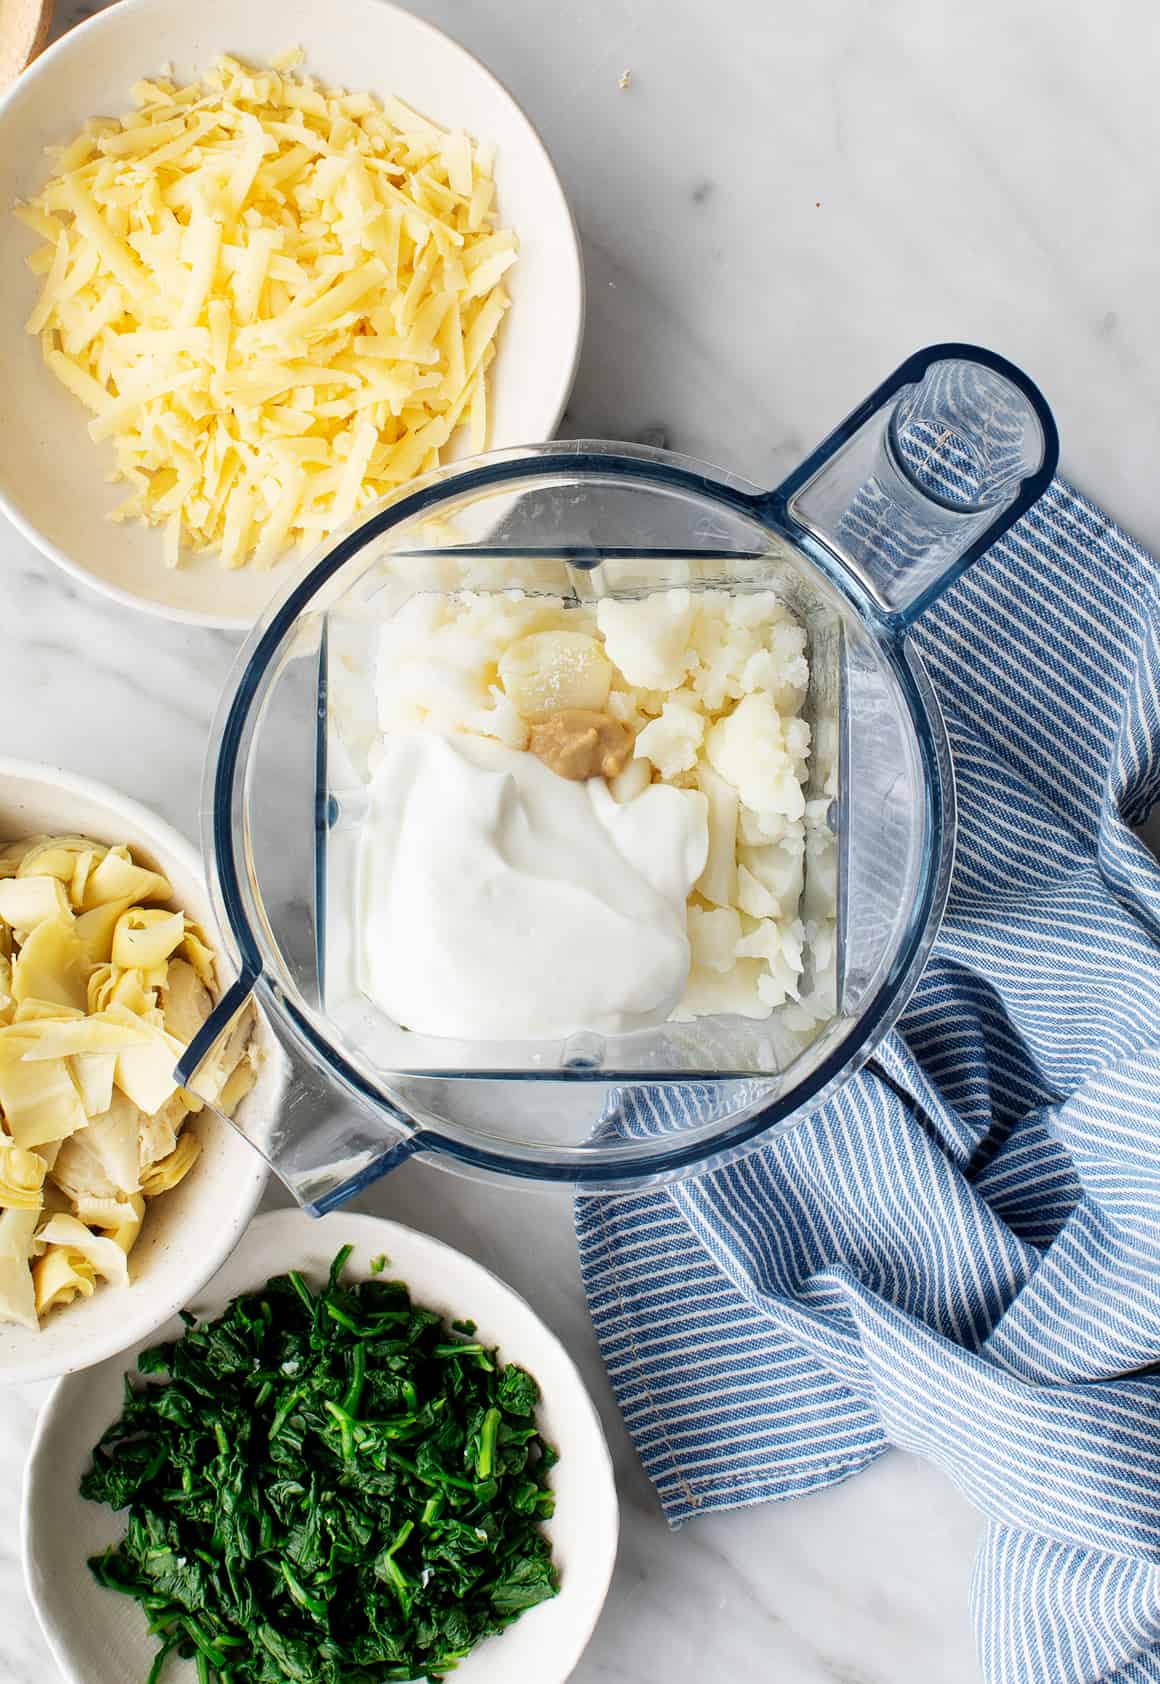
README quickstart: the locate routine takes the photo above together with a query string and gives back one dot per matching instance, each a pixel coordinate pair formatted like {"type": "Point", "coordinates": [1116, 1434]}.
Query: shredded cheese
{"type": "Point", "coordinates": [277, 300]}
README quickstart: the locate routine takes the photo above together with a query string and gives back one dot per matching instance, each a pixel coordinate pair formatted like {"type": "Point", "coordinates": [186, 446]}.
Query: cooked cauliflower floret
{"type": "Point", "coordinates": [632, 706]}
{"type": "Point", "coordinates": [672, 741]}
{"type": "Point", "coordinates": [753, 749]}
{"type": "Point", "coordinates": [623, 705]}
{"type": "Point", "coordinates": [749, 610]}
{"type": "Point", "coordinates": [501, 720]}
{"type": "Point", "coordinates": [649, 639]}
{"type": "Point", "coordinates": [430, 693]}
{"type": "Point", "coordinates": [494, 621]}
{"type": "Point", "coordinates": [722, 653]}
{"type": "Point", "coordinates": [786, 644]}
{"type": "Point", "coordinates": [419, 618]}
{"type": "Point", "coordinates": [746, 643]}
{"type": "Point", "coordinates": [439, 657]}
{"type": "Point", "coordinates": [756, 829]}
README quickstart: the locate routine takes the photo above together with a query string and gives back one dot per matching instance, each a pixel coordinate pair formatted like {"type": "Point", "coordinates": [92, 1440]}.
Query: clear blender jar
{"type": "Point", "coordinates": [912, 487]}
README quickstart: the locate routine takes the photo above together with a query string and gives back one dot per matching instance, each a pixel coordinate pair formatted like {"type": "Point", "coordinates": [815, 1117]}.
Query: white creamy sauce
{"type": "Point", "coordinates": [502, 902]}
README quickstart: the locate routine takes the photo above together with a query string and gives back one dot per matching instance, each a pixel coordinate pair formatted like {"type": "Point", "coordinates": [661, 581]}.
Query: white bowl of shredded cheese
{"type": "Point", "coordinates": [188, 1232]}
{"type": "Point", "coordinates": [284, 259]}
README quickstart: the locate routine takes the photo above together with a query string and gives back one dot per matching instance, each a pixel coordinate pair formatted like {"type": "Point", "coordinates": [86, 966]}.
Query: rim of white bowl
{"type": "Point", "coordinates": [385, 1225]}
{"type": "Point", "coordinates": [555, 407]}
{"type": "Point", "coordinates": [169, 842]}
{"type": "Point", "coordinates": [92, 789]}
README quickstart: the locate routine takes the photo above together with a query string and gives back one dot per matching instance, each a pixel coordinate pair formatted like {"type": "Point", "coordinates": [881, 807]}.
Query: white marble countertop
{"type": "Point", "coordinates": [785, 201]}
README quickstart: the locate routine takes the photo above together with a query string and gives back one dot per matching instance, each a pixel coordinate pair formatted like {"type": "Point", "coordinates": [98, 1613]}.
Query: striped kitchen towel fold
{"type": "Point", "coordinates": [960, 1253]}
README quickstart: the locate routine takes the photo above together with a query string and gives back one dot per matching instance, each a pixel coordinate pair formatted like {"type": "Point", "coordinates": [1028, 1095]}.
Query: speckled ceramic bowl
{"type": "Point", "coordinates": [359, 44]}
{"type": "Point", "coordinates": [190, 1231]}
{"type": "Point", "coordinates": [99, 1637]}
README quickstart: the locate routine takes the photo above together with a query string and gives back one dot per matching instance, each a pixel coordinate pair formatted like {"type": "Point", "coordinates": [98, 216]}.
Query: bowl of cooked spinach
{"type": "Point", "coordinates": [361, 1459]}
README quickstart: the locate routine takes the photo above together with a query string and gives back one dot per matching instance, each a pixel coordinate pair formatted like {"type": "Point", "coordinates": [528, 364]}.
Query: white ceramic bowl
{"type": "Point", "coordinates": [361, 44]}
{"type": "Point", "coordinates": [188, 1232]}
{"type": "Point", "coordinates": [100, 1637]}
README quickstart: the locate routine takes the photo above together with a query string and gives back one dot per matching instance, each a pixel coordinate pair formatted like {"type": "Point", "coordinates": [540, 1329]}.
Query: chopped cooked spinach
{"type": "Point", "coordinates": [333, 1487]}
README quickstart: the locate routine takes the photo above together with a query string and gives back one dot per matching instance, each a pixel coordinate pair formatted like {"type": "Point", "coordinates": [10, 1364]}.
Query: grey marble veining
{"type": "Point", "coordinates": [782, 204]}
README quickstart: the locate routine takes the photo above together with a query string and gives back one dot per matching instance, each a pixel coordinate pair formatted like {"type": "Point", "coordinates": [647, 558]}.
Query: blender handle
{"type": "Point", "coordinates": [923, 477]}
{"type": "Point", "coordinates": [321, 1139]}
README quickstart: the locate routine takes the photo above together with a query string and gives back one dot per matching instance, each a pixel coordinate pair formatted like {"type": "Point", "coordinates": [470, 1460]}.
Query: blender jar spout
{"type": "Point", "coordinates": [324, 1139]}
{"type": "Point", "coordinates": [923, 477]}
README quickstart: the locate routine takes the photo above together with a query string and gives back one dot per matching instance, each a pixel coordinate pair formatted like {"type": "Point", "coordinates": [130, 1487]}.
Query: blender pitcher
{"type": "Point", "coordinates": [911, 488]}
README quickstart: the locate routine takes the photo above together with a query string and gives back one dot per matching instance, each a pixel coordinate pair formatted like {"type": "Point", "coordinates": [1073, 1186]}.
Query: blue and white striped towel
{"type": "Point", "coordinates": [960, 1254]}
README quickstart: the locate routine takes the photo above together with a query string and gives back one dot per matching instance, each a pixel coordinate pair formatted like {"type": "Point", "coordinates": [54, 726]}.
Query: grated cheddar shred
{"type": "Point", "coordinates": [278, 301]}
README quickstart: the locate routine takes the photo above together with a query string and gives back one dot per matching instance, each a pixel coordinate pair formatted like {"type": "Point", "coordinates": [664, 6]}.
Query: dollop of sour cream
{"type": "Point", "coordinates": [501, 902]}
